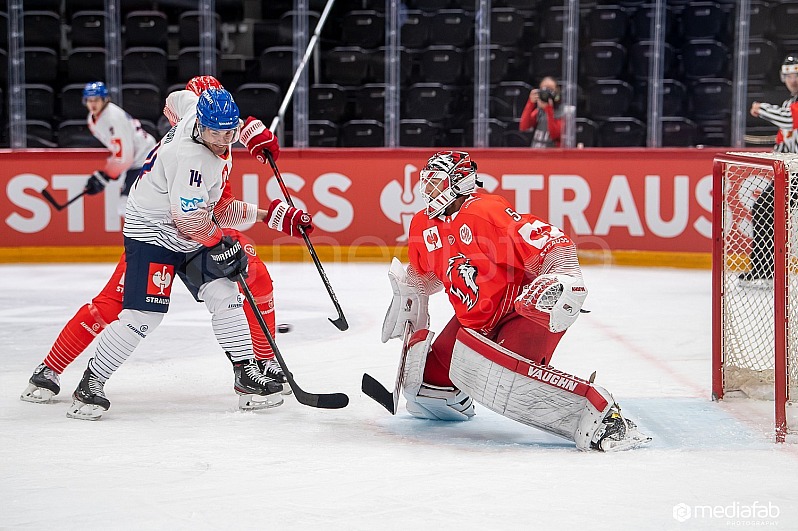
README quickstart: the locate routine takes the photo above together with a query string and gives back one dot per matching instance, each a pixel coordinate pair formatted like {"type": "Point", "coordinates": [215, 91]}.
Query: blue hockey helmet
{"type": "Point", "coordinates": [95, 88]}
{"type": "Point", "coordinates": [217, 110]}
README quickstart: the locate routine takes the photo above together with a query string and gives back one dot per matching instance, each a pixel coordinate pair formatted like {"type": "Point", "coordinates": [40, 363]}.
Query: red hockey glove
{"type": "Point", "coordinates": [97, 182]}
{"type": "Point", "coordinates": [284, 217]}
{"type": "Point", "coordinates": [199, 84]}
{"type": "Point", "coordinates": [257, 138]}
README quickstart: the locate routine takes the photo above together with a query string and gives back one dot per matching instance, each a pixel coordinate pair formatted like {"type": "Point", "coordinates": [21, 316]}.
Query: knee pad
{"type": "Point", "coordinates": [221, 295]}
{"type": "Point", "coordinates": [139, 322]}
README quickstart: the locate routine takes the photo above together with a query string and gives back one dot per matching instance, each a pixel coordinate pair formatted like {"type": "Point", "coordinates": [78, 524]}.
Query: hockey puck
{"type": "Point", "coordinates": [284, 328]}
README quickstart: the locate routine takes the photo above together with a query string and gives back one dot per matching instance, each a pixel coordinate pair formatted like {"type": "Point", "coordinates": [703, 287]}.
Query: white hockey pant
{"type": "Point", "coordinates": [535, 395]}
{"type": "Point", "coordinates": [430, 401]}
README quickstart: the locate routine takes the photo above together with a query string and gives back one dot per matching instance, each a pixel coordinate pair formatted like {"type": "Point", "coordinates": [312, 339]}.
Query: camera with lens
{"type": "Point", "coordinates": [546, 95]}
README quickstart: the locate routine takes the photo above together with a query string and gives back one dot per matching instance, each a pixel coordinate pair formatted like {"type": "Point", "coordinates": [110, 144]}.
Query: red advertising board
{"type": "Point", "coordinates": [606, 199]}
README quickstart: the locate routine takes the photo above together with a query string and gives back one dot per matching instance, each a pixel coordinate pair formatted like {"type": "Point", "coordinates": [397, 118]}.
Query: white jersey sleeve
{"type": "Point", "coordinates": [124, 137]}
{"type": "Point", "coordinates": [178, 104]}
{"type": "Point", "coordinates": [173, 200]}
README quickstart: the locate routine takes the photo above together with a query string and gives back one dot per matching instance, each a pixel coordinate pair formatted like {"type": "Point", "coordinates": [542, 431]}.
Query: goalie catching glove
{"type": "Point", "coordinates": [97, 182]}
{"type": "Point", "coordinates": [552, 301]}
{"type": "Point", "coordinates": [258, 139]}
{"type": "Point", "coordinates": [282, 216]}
{"type": "Point", "coordinates": [407, 305]}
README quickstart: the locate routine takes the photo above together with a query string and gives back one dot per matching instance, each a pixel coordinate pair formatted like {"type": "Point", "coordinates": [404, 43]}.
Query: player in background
{"type": "Point", "coordinates": [122, 134]}
{"type": "Point", "coordinates": [785, 117]}
{"type": "Point", "coordinates": [92, 318]}
{"type": "Point", "coordinates": [515, 284]}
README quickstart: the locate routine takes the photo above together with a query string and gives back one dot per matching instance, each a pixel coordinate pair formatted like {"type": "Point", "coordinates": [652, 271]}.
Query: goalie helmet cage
{"type": "Point", "coordinates": [754, 348]}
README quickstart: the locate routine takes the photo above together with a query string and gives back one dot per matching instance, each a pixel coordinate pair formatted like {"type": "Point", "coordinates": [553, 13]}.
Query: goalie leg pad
{"type": "Point", "coordinates": [532, 394]}
{"type": "Point", "coordinates": [419, 346]}
{"type": "Point", "coordinates": [430, 401]}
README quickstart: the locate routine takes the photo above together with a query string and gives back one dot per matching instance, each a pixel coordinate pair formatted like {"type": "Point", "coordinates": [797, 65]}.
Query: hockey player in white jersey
{"type": "Point", "coordinates": [122, 134]}
{"type": "Point", "coordinates": [173, 223]}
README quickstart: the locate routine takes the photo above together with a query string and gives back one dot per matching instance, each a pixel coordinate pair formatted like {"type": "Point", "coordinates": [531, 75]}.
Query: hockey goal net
{"type": "Point", "coordinates": [755, 279]}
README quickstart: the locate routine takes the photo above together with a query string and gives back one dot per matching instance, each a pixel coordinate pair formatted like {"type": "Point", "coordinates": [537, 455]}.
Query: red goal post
{"type": "Point", "coordinates": [755, 279]}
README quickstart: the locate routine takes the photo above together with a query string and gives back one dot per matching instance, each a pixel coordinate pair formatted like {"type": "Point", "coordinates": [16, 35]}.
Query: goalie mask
{"type": "Point", "coordinates": [447, 175]}
{"type": "Point", "coordinates": [788, 67]}
{"type": "Point", "coordinates": [217, 119]}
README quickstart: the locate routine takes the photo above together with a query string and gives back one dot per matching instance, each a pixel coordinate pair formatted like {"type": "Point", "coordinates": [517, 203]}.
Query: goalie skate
{"type": "Point", "coordinates": [43, 385]}
{"type": "Point", "coordinates": [618, 434]}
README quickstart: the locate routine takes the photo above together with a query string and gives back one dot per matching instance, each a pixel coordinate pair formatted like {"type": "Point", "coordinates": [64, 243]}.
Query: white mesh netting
{"type": "Point", "coordinates": [748, 325]}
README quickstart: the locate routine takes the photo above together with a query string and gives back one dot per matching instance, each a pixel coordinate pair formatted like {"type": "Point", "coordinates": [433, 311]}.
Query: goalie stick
{"type": "Point", "coordinates": [58, 206]}
{"type": "Point", "coordinates": [376, 391]}
{"type": "Point", "coordinates": [324, 401]}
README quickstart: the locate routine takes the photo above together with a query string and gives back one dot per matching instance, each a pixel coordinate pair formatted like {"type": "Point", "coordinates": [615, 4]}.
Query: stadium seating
{"type": "Point", "coordinates": [146, 28]}
{"type": "Point", "coordinates": [322, 133]}
{"type": "Point", "coordinates": [362, 133]}
{"type": "Point", "coordinates": [418, 133]}
{"type": "Point", "coordinates": [327, 102]}
{"type": "Point", "coordinates": [142, 101]}
{"type": "Point", "coordinates": [261, 100]}
{"type": "Point", "coordinates": [87, 29]}
{"type": "Point", "coordinates": [622, 132]}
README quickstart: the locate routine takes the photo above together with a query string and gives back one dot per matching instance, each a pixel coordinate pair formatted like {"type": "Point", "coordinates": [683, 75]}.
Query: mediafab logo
{"type": "Point", "coordinates": [735, 511]}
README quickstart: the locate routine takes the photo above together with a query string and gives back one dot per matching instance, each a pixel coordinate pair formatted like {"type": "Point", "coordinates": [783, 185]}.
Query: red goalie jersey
{"type": "Point", "coordinates": [483, 255]}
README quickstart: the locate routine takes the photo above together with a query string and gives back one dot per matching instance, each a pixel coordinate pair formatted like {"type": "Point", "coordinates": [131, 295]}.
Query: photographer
{"type": "Point", "coordinates": [542, 116]}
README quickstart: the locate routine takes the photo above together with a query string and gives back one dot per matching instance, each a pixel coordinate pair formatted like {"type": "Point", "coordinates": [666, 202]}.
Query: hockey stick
{"type": "Point", "coordinates": [376, 391]}
{"type": "Point", "coordinates": [46, 194]}
{"type": "Point", "coordinates": [324, 401]}
{"type": "Point", "coordinates": [340, 322]}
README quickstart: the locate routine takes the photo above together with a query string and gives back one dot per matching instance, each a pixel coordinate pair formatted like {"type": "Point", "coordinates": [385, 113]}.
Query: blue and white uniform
{"type": "Point", "coordinates": [179, 190]}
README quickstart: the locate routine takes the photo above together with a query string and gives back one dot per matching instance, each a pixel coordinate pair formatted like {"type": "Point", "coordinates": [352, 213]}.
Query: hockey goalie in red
{"type": "Point", "coordinates": [516, 286]}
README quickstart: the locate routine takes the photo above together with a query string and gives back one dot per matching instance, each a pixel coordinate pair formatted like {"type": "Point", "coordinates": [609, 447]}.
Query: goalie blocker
{"type": "Point", "coordinates": [532, 394]}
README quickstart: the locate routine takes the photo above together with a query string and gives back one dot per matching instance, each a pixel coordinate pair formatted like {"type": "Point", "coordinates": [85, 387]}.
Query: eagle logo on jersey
{"type": "Point", "coordinates": [463, 279]}
{"type": "Point", "coordinates": [432, 239]}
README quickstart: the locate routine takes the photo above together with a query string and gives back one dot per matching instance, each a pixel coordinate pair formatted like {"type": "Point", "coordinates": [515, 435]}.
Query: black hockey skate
{"type": "Point", "coordinates": [271, 369]}
{"type": "Point", "coordinates": [89, 401]}
{"type": "Point", "coordinates": [255, 390]}
{"type": "Point", "coordinates": [618, 433]}
{"type": "Point", "coordinates": [43, 385]}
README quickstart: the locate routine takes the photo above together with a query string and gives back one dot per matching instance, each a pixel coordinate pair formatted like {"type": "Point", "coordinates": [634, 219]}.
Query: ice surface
{"type": "Point", "coordinates": [173, 452]}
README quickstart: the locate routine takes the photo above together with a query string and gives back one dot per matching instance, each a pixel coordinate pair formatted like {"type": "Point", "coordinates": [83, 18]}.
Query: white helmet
{"type": "Point", "coordinates": [447, 175]}
{"type": "Point", "coordinates": [788, 66]}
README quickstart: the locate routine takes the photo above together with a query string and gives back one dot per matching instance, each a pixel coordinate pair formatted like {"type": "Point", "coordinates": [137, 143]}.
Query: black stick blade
{"type": "Point", "coordinates": [377, 392]}
{"type": "Point", "coordinates": [323, 401]}
{"type": "Point", "coordinates": [340, 323]}
{"type": "Point", "coordinates": [50, 199]}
